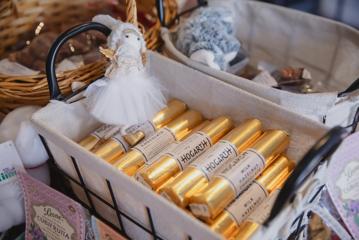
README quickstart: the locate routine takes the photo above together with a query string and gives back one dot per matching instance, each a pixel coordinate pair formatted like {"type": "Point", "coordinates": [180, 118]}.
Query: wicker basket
{"type": "Point", "coordinates": [19, 17]}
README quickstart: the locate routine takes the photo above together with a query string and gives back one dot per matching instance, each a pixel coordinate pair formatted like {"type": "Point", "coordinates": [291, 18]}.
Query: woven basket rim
{"type": "Point", "coordinates": [12, 87]}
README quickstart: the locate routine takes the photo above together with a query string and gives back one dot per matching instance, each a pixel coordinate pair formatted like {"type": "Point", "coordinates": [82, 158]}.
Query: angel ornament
{"type": "Point", "coordinates": [127, 94]}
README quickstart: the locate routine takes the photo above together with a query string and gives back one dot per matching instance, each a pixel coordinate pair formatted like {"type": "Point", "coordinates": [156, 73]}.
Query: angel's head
{"type": "Point", "coordinates": [132, 38]}
{"type": "Point", "coordinates": [126, 35]}
{"type": "Point", "coordinates": [123, 35]}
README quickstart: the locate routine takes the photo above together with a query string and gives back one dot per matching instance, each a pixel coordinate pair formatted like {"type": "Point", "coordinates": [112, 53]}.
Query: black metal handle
{"type": "Point", "coordinates": [355, 123]}
{"type": "Point", "coordinates": [317, 154]}
{"type": "Point", "coordinates": [160, 12]}
{"type": "Point", "coordinates": [353, 87]}
{"type": "Point", "coordinates": [55, 92]}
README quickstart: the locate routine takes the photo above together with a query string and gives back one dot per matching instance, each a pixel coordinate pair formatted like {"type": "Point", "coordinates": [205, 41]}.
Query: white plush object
{"type": "Point", "coordinates": [9, 127]}
{"type": "Point", "coordinates": [30, 147]}
{"type": "Point", "coordinates": [11, 198]}
{"type": "Point", "coordinates": [127, 94]}
{"type": "Point", "coordinates": [17, 127]}
{"type": "Point", "coordinates": [12, 213]}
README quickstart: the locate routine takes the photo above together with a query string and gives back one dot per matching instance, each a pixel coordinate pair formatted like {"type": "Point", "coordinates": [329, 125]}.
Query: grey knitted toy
{"type": "Point", "coordinates": [207, 36]}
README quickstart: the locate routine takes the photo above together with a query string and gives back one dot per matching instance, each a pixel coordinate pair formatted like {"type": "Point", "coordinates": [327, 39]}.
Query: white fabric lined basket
{"type": "Point", "coordinates": [284, 37]}
{"type": "Point", "coordinates": [62, 124]}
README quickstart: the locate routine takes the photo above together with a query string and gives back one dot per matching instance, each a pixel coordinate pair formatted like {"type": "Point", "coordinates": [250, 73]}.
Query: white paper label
{"type": "Point", "coordinates": [265, 78]}
{"type": "Point", "coordinates": [147, 128]}
{"type": "Point", "coordinates": [105, 131]}
{"type": "Point", "coordinates": [199, 209]}
{"type": "Point", "coordinates": [164, 151]}
{"type": "Point", "coordinates": [118, 138]}
{"type": "Point", "coordinates": [190, 149]}
{"type": "Point", "coordinates": [348, 182]}
{"type": "Point", "coordinates": [342, 112]}
{"type": "Point", "coordinates": [153, 145]}
{"type": "Point", "coordinates": [247, 202]}
{"type": "Point", "coordinates": [261, 214]}
{"type": "Point", "coordinates": [218, 155]}
{"type": "Point", "coordinates": [243, 170]}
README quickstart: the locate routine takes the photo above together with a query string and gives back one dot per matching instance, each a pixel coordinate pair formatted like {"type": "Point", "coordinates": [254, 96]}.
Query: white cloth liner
{"type": "Point", "coordinates": [328, 49]}
{"type": "Point", "coordinates": [61, 123]}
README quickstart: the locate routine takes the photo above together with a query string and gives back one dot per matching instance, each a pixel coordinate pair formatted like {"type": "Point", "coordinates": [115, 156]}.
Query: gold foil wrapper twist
{"type": "Point", "coordinates": [273, 177]}
{"type": "Point", "coordinates": [186, 152]}
{"type": "Point", "coordinates": [198, 174]}
{"type": "Point", "coordinates": [150, 147]}
{"type": "Point", "coordinates": [89, 142]}
{"type": "Point", "coordinates": [238, 174]}
{"type": "Point", "coordinates": [117, 145]}
{"type": "Point", "coordinates": [174, 109]}
{"type": "Point", "coordinates": [99, 135]}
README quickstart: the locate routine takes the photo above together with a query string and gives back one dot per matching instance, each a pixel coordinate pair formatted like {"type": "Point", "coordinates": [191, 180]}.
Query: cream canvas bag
{"type": "Point", "coordinates": [285, 37]}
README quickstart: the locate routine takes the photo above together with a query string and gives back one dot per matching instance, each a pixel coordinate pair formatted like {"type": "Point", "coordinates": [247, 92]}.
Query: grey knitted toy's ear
{"type": "Point", "coordinates": [107, 20]}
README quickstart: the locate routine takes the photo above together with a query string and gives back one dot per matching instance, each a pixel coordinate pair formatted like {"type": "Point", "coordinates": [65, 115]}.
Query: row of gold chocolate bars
{"type": "Point", "coordinates": [224, 175]}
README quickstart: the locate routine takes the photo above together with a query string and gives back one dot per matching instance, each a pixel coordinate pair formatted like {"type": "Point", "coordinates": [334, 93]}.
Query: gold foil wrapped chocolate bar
{"type": "Point", "coordinates": [240, 209]}
{"type": "Point", "coordinates": [117, 145]}
{"type": "Point", "coordinates": [201, 171]}
{"type": "Point", "coordinates": [168, 148]}
{"type": "Point", "coordinates": [258, 217]}
{"type": "Point", "coordinates": [166, 115]}
{"type": "Point", "coordinates": [238, 174]}
{"type": "Point", "coordinates": [150, 147]}
{"type": "Point", "coordinates": [185, 153]}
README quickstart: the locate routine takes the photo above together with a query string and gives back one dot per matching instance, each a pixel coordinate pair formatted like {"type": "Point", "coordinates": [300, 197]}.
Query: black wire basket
{"type": "Point", "coordinates": [64, 182]}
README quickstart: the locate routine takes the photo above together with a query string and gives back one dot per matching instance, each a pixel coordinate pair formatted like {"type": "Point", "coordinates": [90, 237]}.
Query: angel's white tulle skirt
{"type": "Point", "coordinates": [125, 99]}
